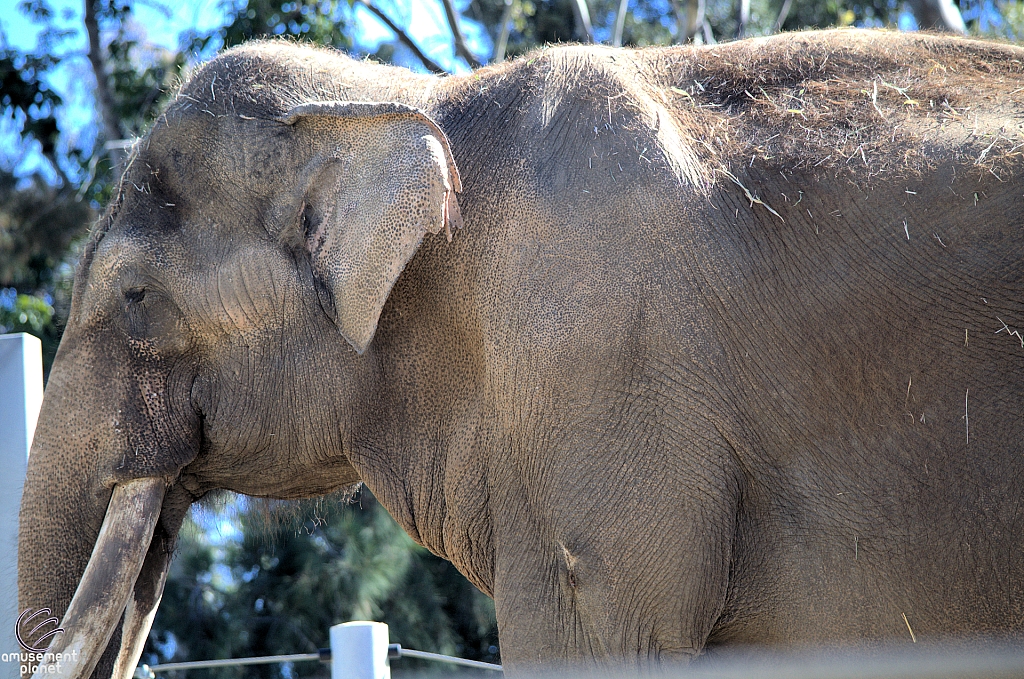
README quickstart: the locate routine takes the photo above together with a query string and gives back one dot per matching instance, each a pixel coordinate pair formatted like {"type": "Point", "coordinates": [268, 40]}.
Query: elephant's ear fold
{"type": "Point", "coordinates": [383, 177]}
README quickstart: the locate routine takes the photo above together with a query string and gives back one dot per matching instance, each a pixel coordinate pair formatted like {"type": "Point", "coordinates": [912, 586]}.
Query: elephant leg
{"type": "Point", "coordinates": [614, 585]}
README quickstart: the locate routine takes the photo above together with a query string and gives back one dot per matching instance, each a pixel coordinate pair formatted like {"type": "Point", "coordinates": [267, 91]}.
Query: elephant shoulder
{"type": "Point", "coordinates": [581, 118]}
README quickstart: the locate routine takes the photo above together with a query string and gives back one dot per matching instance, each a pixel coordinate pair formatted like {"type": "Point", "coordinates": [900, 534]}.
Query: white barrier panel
{"type": "Point", "coordinates": [359, 650]}
{"type": "Point", "coordinates": [21, 393]}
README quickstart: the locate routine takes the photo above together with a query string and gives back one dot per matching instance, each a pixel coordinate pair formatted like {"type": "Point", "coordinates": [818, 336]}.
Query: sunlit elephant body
{"type": "Point", "coordinates": [677, 383]}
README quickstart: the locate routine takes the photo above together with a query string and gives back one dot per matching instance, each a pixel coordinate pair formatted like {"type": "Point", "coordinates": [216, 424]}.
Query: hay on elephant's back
{"type": "Point", "coordinates": [868, 101]}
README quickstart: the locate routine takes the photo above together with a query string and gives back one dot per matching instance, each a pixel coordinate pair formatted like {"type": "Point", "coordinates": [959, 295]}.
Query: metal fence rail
{"type": "Point", "coordinates": [146, 670]}
{"type": "Point", "coordinates": [437, 657]}
{"type": "Point", "coordinates": [359, 650]}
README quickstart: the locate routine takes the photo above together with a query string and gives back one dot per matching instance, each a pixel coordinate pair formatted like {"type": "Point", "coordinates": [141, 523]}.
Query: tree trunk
{"type": "Point", "coordinates": [581, 13]}
{"type": "Point", "coordinates": [403, 37]}
{"type": "Point", "coordinates": [679, 14]}
{"type": "Point", "coordinates": [104, 99]}
{"type": "Point", "coordinates": [501, 46]}
{"type": "Point", "coordinates": [689, 20]}
{"type": "Point", "coordinates": [783, 13]}
{"type": "Point", "coordinates": [620, 23]}
{"type": "Point", "coordinates": [461, 49]}
{"type": "Point", "coordinates": [940, 15]}
{"type": "Point", "coordinates": [743, 19]}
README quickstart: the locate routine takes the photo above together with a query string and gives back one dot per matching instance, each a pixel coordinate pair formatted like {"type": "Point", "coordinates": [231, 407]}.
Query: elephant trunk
{"type": "Point", "coordinates": [98, 522]}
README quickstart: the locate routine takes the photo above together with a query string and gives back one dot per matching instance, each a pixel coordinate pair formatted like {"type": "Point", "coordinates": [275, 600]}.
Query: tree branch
{"type": "Point", "coordinates": [104, 99]}
{"type": "Point", "coordinates": [620, 22]}
{"type": "Point", "coordinates": [680, 16]}
{"type": "Point", "coordinates": [403, 38]}
{"type": "Point", "coordinates": [689, 20]}
{"type": "Point", "coordinates": [66, 185]}
{"type": "Point", "coordinates": [584, 29]}
{"type": "Point", "coordinates": [501, 46]}
{"type": "Point", "coordinates": [938, 14]}
{"type": "Point", "coordinates": [783, 13]}
{"type": "Point", "coordinates": [709, 36]}
{"type": "Point", "coordinates": [695, 15]}
{"type": "Point", "coordinates": [460, 41]}
{"type": "Point", "coordinates": [743, 19]}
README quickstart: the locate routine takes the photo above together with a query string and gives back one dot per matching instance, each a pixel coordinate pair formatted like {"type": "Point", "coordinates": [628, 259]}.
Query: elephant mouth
{"type": "Point", "coordinates": [108, 586]}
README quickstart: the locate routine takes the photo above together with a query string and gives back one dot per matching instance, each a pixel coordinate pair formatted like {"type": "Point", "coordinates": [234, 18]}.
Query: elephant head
{"type": "Point", "coordinates": [221, 320]}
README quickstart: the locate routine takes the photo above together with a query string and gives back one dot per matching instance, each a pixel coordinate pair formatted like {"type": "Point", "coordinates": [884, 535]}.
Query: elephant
{"type": "Point", "coordinates": [668, 350]}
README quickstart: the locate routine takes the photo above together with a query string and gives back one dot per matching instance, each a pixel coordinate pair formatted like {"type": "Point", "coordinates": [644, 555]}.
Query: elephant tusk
{"type": "Point", "coordinates": [108, 581]}
{"type": "Point", "coordinates": [139, 614]}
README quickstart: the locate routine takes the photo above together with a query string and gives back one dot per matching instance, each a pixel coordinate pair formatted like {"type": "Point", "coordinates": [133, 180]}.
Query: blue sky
{"type": "Point", "coordinates": [161, 22]}
{"type": "Point", "coordinates": [164, 20]}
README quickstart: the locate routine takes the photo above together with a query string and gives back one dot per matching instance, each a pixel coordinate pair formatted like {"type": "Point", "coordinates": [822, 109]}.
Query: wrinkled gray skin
{"type": "Point", "coordinates": [646, 415]}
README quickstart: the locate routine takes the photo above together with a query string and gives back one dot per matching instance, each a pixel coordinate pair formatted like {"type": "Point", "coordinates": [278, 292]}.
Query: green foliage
{"type": "Point", "coordinates": [38, 223]}
{"type": "Point", "coordinates": [533, 22]}
{"type": "Point", "coordinates": [649, 23]}
{"type": "Point", "coordinates": [1005, 18]}
{"type": "Point", "coordinates": [653, 22]}
{"type": "Point", "coordinates": [141, 78]}
{"type": "Point", "coordinates": [324, 22]}
{"type": "Point", "coordinates": [25, 97]}
{"type": "Point", "coordinates": [31, 314]}
{"type": "Point", "coordinates": [23, 313]}
{"type": "Point", "coordinates": [876, 13]}
{"type": "Point", "coordinates": [280, 586]}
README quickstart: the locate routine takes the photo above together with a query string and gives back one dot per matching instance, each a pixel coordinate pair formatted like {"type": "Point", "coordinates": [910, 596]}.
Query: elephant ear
{"type": "Point", "coordinates": [384, 176]}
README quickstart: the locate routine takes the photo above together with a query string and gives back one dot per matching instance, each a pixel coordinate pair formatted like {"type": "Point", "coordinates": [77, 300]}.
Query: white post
{"type": "Point", "coordinates": [21, 393]}
{"type": "Point", "coordinates": [359, 650]}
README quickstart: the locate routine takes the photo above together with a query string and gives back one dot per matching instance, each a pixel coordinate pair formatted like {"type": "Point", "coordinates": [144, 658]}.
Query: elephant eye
{"type": "Point", "coordinates": [135, 295]}
{"type": "Point", "coordinates": [310, 221]}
